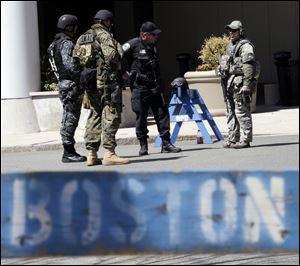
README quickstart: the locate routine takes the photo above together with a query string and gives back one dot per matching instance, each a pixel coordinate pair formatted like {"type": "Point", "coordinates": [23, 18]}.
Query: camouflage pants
{"type": "Point", "coordinates": [238, 115]}
{"type": "Point", "coordinates": [71, 100]}
{"type": "Point", "coordinates": [104, 119]}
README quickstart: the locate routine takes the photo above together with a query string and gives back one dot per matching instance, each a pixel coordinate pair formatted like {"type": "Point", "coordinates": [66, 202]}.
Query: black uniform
{"type": "Point", "coordinates": [69, 91]}
{"type": "Point", "coordinates": [145, 84]}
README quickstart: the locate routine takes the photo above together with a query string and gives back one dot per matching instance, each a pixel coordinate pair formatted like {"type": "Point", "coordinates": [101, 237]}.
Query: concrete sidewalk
{"type": "Point", "coordinates": [267, 120]}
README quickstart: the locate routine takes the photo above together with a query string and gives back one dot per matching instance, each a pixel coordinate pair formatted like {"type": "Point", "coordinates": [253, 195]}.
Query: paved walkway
{"type": "Point", "coordinates": [268, 120]}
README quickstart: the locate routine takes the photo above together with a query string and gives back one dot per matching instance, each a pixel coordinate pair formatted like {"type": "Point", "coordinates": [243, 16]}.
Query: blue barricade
{"type": "Point", "coordinates": [182, 107]}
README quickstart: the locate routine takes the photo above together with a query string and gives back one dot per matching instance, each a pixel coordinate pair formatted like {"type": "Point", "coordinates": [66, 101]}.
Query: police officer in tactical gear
{"type": "Point", "coordinates": [68, 75]}
{"type": "Point", "coordinates": [145, 84]}
{"type": "Point", "coordinates": [239, 72]}
{"type": "Point", "coordinates": [106, 95]}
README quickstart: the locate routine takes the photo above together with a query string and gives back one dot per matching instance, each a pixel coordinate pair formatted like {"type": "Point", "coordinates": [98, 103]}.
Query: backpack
{"type": "Point", "coordinates": [84, 51]}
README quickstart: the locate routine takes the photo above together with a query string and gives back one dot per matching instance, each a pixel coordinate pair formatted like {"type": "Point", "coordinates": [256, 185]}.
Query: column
{"type": "Point", "coordinates": [20, 66]}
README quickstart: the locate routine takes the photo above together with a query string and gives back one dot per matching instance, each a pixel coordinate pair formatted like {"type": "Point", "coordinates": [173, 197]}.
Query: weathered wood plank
{"type": "Point", "coordinates": [99, 213]}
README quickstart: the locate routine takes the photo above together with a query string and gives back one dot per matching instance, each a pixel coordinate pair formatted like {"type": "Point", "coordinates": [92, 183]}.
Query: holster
{"type": "Point", "coordinates": [113, 96]}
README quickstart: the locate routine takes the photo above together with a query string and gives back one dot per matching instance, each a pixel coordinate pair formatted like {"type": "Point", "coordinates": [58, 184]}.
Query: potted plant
{"type": "Point", "coordinates": [211, 52]}
{"type": "Point", "coordinates": [205, 79]}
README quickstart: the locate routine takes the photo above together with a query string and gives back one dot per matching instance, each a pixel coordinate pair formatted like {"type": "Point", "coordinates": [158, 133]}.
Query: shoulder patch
{"type": "Point", "coordinates": [126, 47]}
{"type": "Point", "coordinates": [86, 38]}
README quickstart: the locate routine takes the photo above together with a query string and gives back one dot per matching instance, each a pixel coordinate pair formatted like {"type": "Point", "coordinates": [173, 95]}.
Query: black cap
{"type": "Point", "coordinates": [150, 27]}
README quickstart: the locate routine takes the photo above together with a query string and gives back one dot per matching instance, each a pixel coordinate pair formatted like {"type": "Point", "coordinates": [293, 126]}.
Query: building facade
{"type": "Point", "coordinates": [28, 26]}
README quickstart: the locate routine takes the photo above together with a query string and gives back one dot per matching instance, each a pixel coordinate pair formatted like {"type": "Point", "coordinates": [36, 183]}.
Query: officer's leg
{"type": "Point", "coordinates": [111, 120]}
{"type": "Point", "coordinates": [93, 126]}
{"type": "Point", "coordinates": [243, 114]}
{"type": "Point", "coordinates": [161, 116]}
{"type": "Point", "coordinates": [140, 105]}
{"type": "Point", "coordinates": [232, 122]}
{"type": "Point", "coordinates": [93, 130]}
{"type": "Point", "coordinates": [162, 119]}
{"type": "Point", "coordinates": [71, 115]}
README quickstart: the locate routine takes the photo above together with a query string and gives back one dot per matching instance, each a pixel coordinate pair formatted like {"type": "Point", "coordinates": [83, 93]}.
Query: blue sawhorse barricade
{"type": "Point", "coordinates": [181, 108]}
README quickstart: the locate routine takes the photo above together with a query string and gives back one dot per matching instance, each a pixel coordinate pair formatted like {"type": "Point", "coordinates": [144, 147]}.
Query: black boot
{"type": "Point", "coordinates": [71, 156]}
{"type": "Point", "coordinates": [167, 147]}
{"type": "Point", "coordinates": [144, 148]}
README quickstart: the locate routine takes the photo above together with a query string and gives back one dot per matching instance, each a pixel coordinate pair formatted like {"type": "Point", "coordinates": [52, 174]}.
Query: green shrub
{"type": "Point", "coordinates": [211, 51]}
{"type": "Point", "coordinates": [50, 86]}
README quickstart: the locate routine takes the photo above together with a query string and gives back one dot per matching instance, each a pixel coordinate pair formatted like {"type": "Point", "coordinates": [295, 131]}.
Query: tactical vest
{"type": "Point", "coordinates": [56, 46]}
{"type": "Point", "coordinates": [144, 60]}
{"type": "Point", "coordinates": [89, 54]}
{"type": "Point", "coordinates": [235, 62]}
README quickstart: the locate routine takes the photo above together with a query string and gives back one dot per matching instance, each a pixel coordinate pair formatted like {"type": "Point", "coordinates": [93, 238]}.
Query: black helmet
{"type": "Point", "coordinates": [104, 14]}
{"type": "Point", "coordinates": [66, 20]}
{"type": "Point", "coordinates": [180, 83]}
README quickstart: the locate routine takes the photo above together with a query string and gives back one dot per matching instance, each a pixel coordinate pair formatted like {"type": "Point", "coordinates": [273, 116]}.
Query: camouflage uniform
{"type": "Point", "coordinates": [238, 71]}
{"type": "Point", "coordinates": [106, 99]}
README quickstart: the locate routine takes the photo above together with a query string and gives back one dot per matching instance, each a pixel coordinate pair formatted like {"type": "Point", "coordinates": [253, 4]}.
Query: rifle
{"type": "Point", "coordinates": [52, 62]}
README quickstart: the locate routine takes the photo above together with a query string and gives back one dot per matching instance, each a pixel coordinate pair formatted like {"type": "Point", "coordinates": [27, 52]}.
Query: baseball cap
{"type": "Point", "coordinates": [150, 27]}
{"type": "Point", "coordinates": [234, 25]}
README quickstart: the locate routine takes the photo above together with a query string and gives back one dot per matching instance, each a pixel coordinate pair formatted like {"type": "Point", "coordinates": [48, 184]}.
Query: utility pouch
{"type": "Point", "coordinates": [88, 79]}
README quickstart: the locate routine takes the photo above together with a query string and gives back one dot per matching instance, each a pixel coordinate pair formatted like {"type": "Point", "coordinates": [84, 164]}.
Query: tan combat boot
{"type": "Point", "coordinates": [111, 158]}
{"type": "Point", "coordinates": [92, 158]}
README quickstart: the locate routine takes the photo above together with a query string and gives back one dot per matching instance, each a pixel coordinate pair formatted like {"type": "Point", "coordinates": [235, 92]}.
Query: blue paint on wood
{"type": "Point", "coordinates": [186, 101]}
{"type": "Point", "coordinates": [67, 213]}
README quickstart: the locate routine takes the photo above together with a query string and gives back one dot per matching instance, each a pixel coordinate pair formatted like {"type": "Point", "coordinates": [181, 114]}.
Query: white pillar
{"type": "Point", "coordinates": [20, 66]}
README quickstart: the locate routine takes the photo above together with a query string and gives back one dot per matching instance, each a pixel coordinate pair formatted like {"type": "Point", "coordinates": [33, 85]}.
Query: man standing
{"type": "Point", "coordinates": [106, 95]}
{"type": "Point", "coordinates": [145, 84]}
{"type": "Point", "coordinates": [68, 75]}
{"type": "Point", "coordinates": [239, 72]}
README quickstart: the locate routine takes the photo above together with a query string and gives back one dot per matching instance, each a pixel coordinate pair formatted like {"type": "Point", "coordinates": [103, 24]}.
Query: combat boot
{"type": "Point", "coordinates": [242, 145]}
{"type": "Point", "coordinates": [71, 156]}
{"type": "Point", "coordinates": [167, 147]}
{"type": "Point", "coordinates": [111, 158]}
{"type": "Point", "coordinates": [228, 144]}
{"type": "Point", "coordinates": [93, 158]}
{"type": "Point", "coordinates": [144, 148]}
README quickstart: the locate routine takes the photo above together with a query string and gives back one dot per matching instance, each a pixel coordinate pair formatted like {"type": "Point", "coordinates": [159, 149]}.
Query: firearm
{"type": "Point", "coordinates": [52, 62]}
{"type": "Point", "coordinates": [223, 72]}
{"type": "Point", "coordinates": [224, 86]}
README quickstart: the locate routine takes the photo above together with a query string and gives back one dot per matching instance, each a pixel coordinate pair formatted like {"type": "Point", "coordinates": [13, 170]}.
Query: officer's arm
{"type": "Point", "coordinates": [248, 61]}
{"type": "Point", "coordinates": [108, 47]}
{"type": "Point", "coordinates": [68, 61]}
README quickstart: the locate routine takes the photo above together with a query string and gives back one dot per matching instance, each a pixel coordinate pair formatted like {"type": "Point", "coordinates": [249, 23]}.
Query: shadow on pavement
{"type": "Point", "coordinates": [156, 159]}
{"type": "Point", "coordinates": [274, 144]}
{"type": "Point", "coordinates": [272, 108]}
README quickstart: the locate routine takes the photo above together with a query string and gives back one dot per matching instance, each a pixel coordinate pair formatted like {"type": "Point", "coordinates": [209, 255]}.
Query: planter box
{"type": "Point", "coordinates": [49, 110]}
{"type": "Point", "coordinates": [209, 86]}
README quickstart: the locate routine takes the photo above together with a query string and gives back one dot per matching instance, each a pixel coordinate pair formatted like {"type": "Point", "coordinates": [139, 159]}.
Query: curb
{"type": "Point", "coordinates": [81, 145]}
